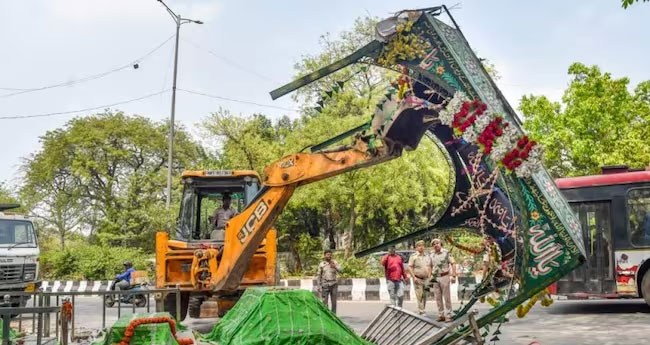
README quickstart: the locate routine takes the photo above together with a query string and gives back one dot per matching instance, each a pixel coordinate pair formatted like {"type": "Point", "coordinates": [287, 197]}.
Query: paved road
{"type": "Point", "coordinates": [602, 322]}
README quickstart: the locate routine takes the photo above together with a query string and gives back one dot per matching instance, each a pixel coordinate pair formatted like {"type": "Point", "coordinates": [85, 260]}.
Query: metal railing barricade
{"type": "Point", "coordinates": [41, 303]}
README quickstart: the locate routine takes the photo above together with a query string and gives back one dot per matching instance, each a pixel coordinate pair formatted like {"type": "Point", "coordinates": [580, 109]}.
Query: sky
{"type": "Point", "coordinates": [247, 48]}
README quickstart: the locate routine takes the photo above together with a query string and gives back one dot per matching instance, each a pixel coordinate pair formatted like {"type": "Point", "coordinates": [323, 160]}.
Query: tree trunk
{"type": "Point", "coordinates": [349, 243]}
{"type": "Point", "coordinates": [295, 256]}
{"type": "Point", "coordinates": [329, 229]}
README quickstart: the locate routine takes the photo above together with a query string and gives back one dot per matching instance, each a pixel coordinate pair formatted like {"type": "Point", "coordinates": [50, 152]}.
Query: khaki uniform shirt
{"type": "Point", "coordinates": [420, 263]}
{"type": "Point", "coordinates": [222, 216]}
{"type": "Point", "coordinates": [441, 261]}
{"type": "Point", "coordinates": [327, 275]}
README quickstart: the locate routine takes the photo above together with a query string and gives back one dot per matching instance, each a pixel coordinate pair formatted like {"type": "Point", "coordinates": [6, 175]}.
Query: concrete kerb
{"type": "Point", "coordinates": [349, 289]}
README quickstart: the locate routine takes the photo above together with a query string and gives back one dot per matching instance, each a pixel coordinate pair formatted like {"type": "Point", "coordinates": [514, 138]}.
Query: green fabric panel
{"type": "Point", "coordinates": [148, 334]}
{"type": "Point", "coordinates": [281, 317]}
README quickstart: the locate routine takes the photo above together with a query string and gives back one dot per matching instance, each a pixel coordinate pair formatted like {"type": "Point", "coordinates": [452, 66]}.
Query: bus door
{"type": "Point", "coordinates": [596, 276]}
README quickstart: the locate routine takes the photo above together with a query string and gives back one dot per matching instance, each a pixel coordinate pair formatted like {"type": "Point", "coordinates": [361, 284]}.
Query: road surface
{"type": "Point", "coordinates": [601, 322]}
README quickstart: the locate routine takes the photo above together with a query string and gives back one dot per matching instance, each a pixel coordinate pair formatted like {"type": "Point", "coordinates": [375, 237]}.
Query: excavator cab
{"type": "Point", "coordinates": [191, 257]}
{"type": "Point", "coordinates": [203, 193]}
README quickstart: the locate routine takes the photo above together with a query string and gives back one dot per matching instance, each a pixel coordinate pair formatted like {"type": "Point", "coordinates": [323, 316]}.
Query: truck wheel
{"type": "Point", "coordinates": [645, 287]}
{"type": "Point", "coordinates": [195, 306]}
{"type": "Point", "coordinates": [170, 305]}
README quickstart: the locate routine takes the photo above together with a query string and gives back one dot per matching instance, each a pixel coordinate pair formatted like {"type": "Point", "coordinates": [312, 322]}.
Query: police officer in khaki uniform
{"type": "Point", "coordinates": [444, 269]}
{"type": "Point", "coordinates": [420, 269]}
{"type": "Point", "coordinates": [327, 279]}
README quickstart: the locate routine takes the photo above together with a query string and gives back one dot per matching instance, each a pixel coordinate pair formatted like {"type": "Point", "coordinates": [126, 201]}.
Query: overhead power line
{"type": "Point", "coordinates": [82, 110]}
{"type": "Point", "coordinates": [230, 62]}
{"type": "Point", "coordinates": [87, 78]}
{"type": "Point", "coordinates": [237, 100]}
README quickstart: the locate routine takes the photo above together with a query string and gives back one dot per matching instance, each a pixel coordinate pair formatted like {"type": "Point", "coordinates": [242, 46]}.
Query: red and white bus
{"type": "Point", "coordinates": [614, 210]}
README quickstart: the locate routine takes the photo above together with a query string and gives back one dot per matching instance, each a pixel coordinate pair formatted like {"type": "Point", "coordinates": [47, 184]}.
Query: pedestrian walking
{"type": "Point", "coordinates": [444, 269]}
{"type": "Point", "coordinates": [395, 276]}
{"type": "Point", "coordinates": [327, 279]}
{"type": "Point", "coordinates": [420, 269]}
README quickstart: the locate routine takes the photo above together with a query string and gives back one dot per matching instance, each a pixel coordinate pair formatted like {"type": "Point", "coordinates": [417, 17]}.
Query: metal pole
{"type": "Point", "coordinates": [6, 322]}
{"type": "Point", "coordinates": [39, 328]}
{"type": "Point", "coordinates": [33, 314]}
{"type": "Point", "coordinates": [171, 119]}
{"type": "Point", "coordinates": [72, 328]}
{"type": "Point", "coordinates": [178, 303]}
{"type": "Point", "coordinates": [103, 312]}
{"type": "Point", "coordinates": [46, 325]}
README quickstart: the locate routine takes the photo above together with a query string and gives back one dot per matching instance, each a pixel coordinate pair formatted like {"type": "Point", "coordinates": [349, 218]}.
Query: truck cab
{"type": "Point", "coordinates": [19, 253]}
{"type": "Point", "coordinates": [188, 255]}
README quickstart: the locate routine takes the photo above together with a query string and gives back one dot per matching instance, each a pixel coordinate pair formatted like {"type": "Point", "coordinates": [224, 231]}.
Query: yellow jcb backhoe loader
{"type": "Point", "coordinates": [206, 268]}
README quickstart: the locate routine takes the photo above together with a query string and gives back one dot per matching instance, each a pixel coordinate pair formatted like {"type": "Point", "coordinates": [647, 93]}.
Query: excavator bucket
{"type": "Point", "coordinates": [402, 122]}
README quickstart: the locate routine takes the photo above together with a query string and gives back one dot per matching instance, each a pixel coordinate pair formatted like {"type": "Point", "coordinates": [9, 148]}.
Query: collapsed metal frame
{"type": "Point", "coordinates": [42, 306]}
{"type": "Point", "coordinates": [398, 326]}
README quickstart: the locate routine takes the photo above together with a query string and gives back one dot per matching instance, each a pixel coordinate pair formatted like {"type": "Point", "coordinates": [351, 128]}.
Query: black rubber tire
{"type": "Point", "coordinates": [645, 287]}
{"type": "Point", "coordinates": [195, 306]}
{"type": "Point", "coordinates": [140, 301]}
{"type": "Point", "coordinates": [170, 305]}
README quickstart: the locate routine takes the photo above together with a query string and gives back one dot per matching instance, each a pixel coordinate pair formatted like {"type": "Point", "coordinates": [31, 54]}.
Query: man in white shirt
{"type": "Point", "coordinates": [220, 217]}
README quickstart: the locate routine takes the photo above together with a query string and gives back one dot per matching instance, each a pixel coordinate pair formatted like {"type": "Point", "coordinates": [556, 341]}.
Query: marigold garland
{"type": "Point", "coordinates": [130, 329]}
{"type": "Point", "coordinates": [475, 251]}
{"type": "Point", "coordinates": [404, 46]}
{"type": "Point", "coordinates": [522, 309]}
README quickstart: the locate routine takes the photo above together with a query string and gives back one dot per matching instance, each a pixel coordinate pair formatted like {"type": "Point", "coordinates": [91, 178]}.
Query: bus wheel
{"type": "Point", "coordinates": [645, 287]}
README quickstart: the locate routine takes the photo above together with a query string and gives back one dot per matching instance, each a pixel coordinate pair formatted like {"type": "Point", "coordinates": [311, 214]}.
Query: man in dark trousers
{"type": "Point", "coordinates": [395, 276]}
{"type": "Point", "coordinates": [326, 279]}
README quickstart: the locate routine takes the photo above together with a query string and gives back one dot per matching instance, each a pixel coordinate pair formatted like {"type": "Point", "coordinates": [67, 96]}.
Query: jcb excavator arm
{"type": "Point", "coordinates": [400, 125]}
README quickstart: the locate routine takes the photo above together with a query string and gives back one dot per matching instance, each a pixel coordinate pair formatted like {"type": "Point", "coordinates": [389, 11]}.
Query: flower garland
{"type": "Point", "coordinates": [130, 329]}
{"type": "Point", "coordinates": [494, 136]}
{"type": "Point", "coordinates": [475, 251]}
{"type": "Point", "coordinates": [404, 46]}
{"type": "Point", "coordinates": [522, 310]}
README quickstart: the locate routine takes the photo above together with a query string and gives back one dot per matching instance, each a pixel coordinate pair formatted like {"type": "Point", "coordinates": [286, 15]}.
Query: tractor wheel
{"type": "Point", "coordinates": [170, 305]}
{"type": "Point", "coordinates": [195, 306]}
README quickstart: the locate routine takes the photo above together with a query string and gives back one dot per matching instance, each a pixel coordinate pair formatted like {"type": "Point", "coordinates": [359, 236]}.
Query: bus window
{"type": "Point", "coordinates": [638, 205]}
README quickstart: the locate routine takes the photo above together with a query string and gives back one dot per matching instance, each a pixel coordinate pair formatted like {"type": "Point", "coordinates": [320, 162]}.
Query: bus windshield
{"type": "Point", "coordinates": [16, 233]}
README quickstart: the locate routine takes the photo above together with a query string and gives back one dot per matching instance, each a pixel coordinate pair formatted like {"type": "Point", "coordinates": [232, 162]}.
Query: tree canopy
{"type": "Point", "coordinates": [105, 174]}
{"type": "Point", "coordinates": [358, 208]}
{"type": "Point", "coordinates": [598, 122]}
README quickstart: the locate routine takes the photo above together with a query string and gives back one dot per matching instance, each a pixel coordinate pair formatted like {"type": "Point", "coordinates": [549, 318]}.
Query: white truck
{"type": "Point", "coordinates": [18, 255]}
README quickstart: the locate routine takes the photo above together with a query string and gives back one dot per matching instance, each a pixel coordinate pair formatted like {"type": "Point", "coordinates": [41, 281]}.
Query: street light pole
{"type": "Point", "coordinates": [170, 158]}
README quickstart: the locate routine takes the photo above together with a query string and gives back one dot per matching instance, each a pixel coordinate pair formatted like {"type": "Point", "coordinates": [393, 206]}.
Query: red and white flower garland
{"type": "Point", "coordinates": [471, 120]}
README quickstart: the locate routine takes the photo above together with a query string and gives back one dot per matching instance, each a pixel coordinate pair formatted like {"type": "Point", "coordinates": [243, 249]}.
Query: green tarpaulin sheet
{"type": "Point", "coordinates": [146, 334]}
{"type": "Point", "coordinates": [12, 332]}
{"type": "Point", "coordinates": [268, 316]}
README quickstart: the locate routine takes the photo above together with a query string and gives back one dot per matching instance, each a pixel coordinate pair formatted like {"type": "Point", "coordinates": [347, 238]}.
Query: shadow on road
{"type": "Point", "coordinates": [600, 307]}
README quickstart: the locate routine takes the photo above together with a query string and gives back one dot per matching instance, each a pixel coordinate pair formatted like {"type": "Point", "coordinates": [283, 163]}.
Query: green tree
{"type": "Point", "coordinates": [626, 3]}
{"type": "Point", "coordinates": [361, 207]}
{"type": "Point", "coordinates": [105, 174]}
{"type": "Point", "coordinates": [599, 122]}
{"type": "Point", "coordinates": [6, 196]}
